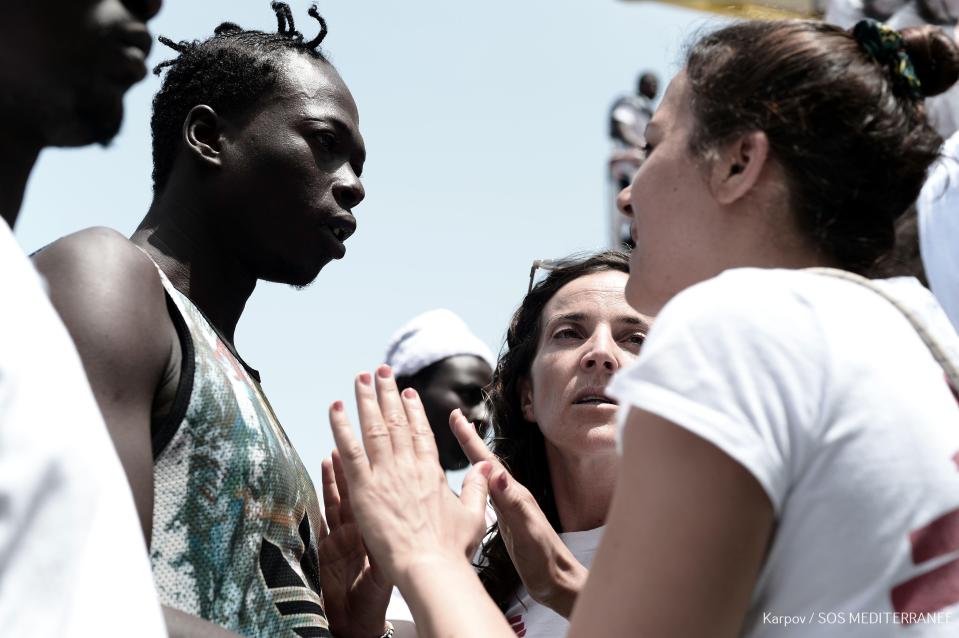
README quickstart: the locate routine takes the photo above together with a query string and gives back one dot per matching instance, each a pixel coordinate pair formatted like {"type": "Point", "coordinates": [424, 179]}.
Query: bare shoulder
{"type": "Point", "coordinates": [101, 265]}
{"type": "Point", "coordinates": [106, 290]}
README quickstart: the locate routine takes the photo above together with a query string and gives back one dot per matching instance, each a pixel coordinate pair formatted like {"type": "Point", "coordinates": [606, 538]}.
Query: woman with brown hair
{"type": "Point", "coordinates": [790, 434]}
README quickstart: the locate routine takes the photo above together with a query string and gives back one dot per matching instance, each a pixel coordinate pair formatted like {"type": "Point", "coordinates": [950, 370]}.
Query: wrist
{"type": "Point", "coordinates": [568, 582]}
{"type": "Point", "coordinates": [424, 566]}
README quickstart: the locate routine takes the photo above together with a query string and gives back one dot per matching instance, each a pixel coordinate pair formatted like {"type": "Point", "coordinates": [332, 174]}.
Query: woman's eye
{"type": "Point", "coordinates": [637, 338]}
{"type": "Point", "coordinates": [565, 333]}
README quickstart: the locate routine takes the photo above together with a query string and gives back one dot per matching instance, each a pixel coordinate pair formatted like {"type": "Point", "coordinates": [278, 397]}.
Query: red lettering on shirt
{"type": "Point", "coordinates": [939, 588]}
{"type": "Point", "coordinates": [516, 622]}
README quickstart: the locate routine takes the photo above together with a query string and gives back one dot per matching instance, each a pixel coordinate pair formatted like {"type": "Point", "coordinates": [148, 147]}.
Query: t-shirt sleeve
{"type": "Point", "coordinates": [738, 361]}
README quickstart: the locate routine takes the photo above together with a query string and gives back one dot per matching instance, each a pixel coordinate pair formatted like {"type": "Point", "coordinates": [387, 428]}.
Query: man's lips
{"type": "Point", "coordinates": [341, 227]}
{"type": "Point", "coordinates": [132, 46]}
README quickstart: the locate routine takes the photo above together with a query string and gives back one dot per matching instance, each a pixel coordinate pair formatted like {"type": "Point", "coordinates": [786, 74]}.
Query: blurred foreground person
{"type": "Point", "coordinates": [790, 438]}
{"type": "Point", "coordinates": [437, 354]}
{"type": "Point", "coordinates": [257, 156]}
{"type": "Point", "coordinates": [72, 562]}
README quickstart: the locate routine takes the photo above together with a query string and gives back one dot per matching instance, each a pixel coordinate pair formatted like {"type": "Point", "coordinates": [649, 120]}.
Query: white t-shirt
{"type": "Point", "coordinates": [825, 393]}
{"type": "Point", "coordinates": [72, 557]}
{"type": "Point", "coordinates": [527, 617]}
{"type": "Point", "coordinates": [938, 211]}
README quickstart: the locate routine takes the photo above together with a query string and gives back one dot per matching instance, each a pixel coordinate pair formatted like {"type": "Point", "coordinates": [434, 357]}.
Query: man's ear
{"type": "Point", "coordinates": [738, 166]}
{"type": "Point", "coordinates": [202, 134]}
{"type": "Point", "coordinates": [526, 399]}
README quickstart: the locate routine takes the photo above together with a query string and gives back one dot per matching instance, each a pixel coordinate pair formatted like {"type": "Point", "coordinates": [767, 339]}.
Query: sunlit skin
{"type": "Point", "coordinates": [589, 333]}
{"type": "Point", "coordinates": [693, 218]}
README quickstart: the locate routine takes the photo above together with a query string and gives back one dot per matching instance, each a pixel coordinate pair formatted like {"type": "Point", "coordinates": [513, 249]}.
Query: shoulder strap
{"type": "Point", "coordinates": [947, 365]}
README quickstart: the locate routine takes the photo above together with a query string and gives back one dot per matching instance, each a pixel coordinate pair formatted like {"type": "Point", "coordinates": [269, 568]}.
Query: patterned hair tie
{"type": "Point", "coordinates": [886, 47]}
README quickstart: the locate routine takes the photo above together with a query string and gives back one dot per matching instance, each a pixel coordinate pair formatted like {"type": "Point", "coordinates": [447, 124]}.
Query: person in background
{"type": "Point", "coordinates": [629, 114]}
{"type": "Point", "coordinates": [628, 117]}
{"type": "Point", "coordinates": [438, 355]}
{"type": "Point", "coordinates": [790, 434]}
{"type": "Point", "coordinates": [257, 159]}
{"type": "Point", "coordinates": [72, 560]}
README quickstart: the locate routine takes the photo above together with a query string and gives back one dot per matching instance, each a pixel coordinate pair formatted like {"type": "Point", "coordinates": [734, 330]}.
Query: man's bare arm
{"type": "Point", "coordinates": [111, 299]}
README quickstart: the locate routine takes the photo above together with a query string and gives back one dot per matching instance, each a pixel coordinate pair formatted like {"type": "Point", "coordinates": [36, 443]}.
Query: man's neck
{"type": "Point", "coordinates": [175, 235]}
{"type": "Point", "coordinates": [20, 152]}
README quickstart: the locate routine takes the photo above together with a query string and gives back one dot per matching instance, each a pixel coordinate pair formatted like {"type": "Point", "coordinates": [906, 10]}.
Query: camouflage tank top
{"type": "Point", "coordinates": [235, 512]}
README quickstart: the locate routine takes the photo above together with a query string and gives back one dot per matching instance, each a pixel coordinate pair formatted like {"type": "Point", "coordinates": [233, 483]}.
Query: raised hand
{"type": "Point", "coordinates": [549, 571]}
{"type": "Point", "coordinates": [398, 492]}
{"type": "Point", "coordinates": [355, 592]}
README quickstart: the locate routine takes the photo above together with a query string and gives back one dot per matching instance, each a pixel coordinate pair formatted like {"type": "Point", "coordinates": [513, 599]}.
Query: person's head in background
{"type": "Point", "coordinates": [647, 85]}
{"type": "Point", "coordinates": [65, 66]}
{"type": "Point", "coordinates": [437, 355]}
{"type": "Point", "coordinates": [552, 420]}
{"type": "Point", "coordinates": [807, 159]}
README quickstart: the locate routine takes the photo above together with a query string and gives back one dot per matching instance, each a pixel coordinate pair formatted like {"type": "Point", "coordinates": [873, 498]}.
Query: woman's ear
{"type": "Point", "coordinates": [736, 169]}
{"type": "Point", "coordinates": [202, 134]}
{"type": "Point", "coordinates": [526, 399]}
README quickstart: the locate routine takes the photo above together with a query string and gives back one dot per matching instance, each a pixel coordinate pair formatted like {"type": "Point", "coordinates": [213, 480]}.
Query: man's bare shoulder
{"type": "Point", "coordinates": [106, 289]}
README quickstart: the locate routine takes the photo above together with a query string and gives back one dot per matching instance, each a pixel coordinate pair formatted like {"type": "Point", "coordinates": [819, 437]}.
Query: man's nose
{"type": "Point", "coordinates": [348, 191]}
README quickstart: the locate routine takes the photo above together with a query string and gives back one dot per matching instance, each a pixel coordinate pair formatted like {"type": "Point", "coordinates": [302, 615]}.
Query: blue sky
{"type": "Point", "coordinates": [485, 124]}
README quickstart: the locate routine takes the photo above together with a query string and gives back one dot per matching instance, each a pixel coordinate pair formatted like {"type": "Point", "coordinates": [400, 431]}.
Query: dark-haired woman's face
{"type": "Point", "coordinates": [668, 200]}
{"type": "Point", "coordinates": [588, 333]}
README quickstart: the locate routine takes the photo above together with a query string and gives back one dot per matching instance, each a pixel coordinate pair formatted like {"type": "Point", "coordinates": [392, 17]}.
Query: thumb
{"type": "Point", "coordinates": [513, 502]}
{"type": "Point", "coordinates": [476, 488]}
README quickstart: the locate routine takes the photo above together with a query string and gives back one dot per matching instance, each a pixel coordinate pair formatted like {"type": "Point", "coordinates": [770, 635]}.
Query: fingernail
{"type": "Point", "coordinates": [486, 468]}
{"type": "Point", "coordinates": [384, 372]}
{"type": "Point", "coordinates": [409, 393]}
{"type": "Point", "coordinates": [365, 378]}
{"type": "Point", "coordinates": [337, 406]}
{"type": "Point", "coordinates": [500, 482]}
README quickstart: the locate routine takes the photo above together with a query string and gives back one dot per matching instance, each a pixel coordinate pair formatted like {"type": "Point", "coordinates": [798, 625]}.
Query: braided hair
{"type": "Point", "coordinates": [228, 71]}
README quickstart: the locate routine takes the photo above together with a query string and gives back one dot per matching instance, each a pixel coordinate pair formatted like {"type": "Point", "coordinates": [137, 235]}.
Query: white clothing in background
{"type": "Point", "coordinates": [938, 211]}
{"type": "Point", "coordinates": [527, 617]}
{"type": "Point", "coordinates": [825, 393]}
{"type": "Point", "coordinates": [73, 561]}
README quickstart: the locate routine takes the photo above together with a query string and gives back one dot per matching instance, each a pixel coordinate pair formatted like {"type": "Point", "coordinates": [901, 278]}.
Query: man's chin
{"type": "Point", "coordinates": [89, 125]}
{"type": "Point", "coordinates": [298, 278]}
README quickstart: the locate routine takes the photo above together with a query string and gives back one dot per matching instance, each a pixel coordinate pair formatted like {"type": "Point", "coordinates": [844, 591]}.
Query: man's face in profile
{"type": "Point", "coordinates": [66, 64]}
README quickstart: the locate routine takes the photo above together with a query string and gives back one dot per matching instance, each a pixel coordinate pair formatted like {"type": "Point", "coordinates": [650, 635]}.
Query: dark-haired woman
{"type": "Point", "coordinates": [554, 428]}
{"type": "Point", "coordinates": [790, 440]}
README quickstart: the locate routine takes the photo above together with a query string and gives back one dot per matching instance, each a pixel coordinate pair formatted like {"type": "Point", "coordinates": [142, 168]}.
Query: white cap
{"type": "Point", "coordinates": [431, 337]}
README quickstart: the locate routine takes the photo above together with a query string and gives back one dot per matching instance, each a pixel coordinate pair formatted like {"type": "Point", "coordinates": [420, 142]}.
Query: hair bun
{"type": "Point", "coordinates": [934, 55]}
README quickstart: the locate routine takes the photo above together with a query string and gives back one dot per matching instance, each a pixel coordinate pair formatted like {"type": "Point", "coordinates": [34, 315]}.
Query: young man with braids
{"type": "Point", "coordinates": [257, 158]}
{"type": "Point", "coordinates": [71, 558]}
